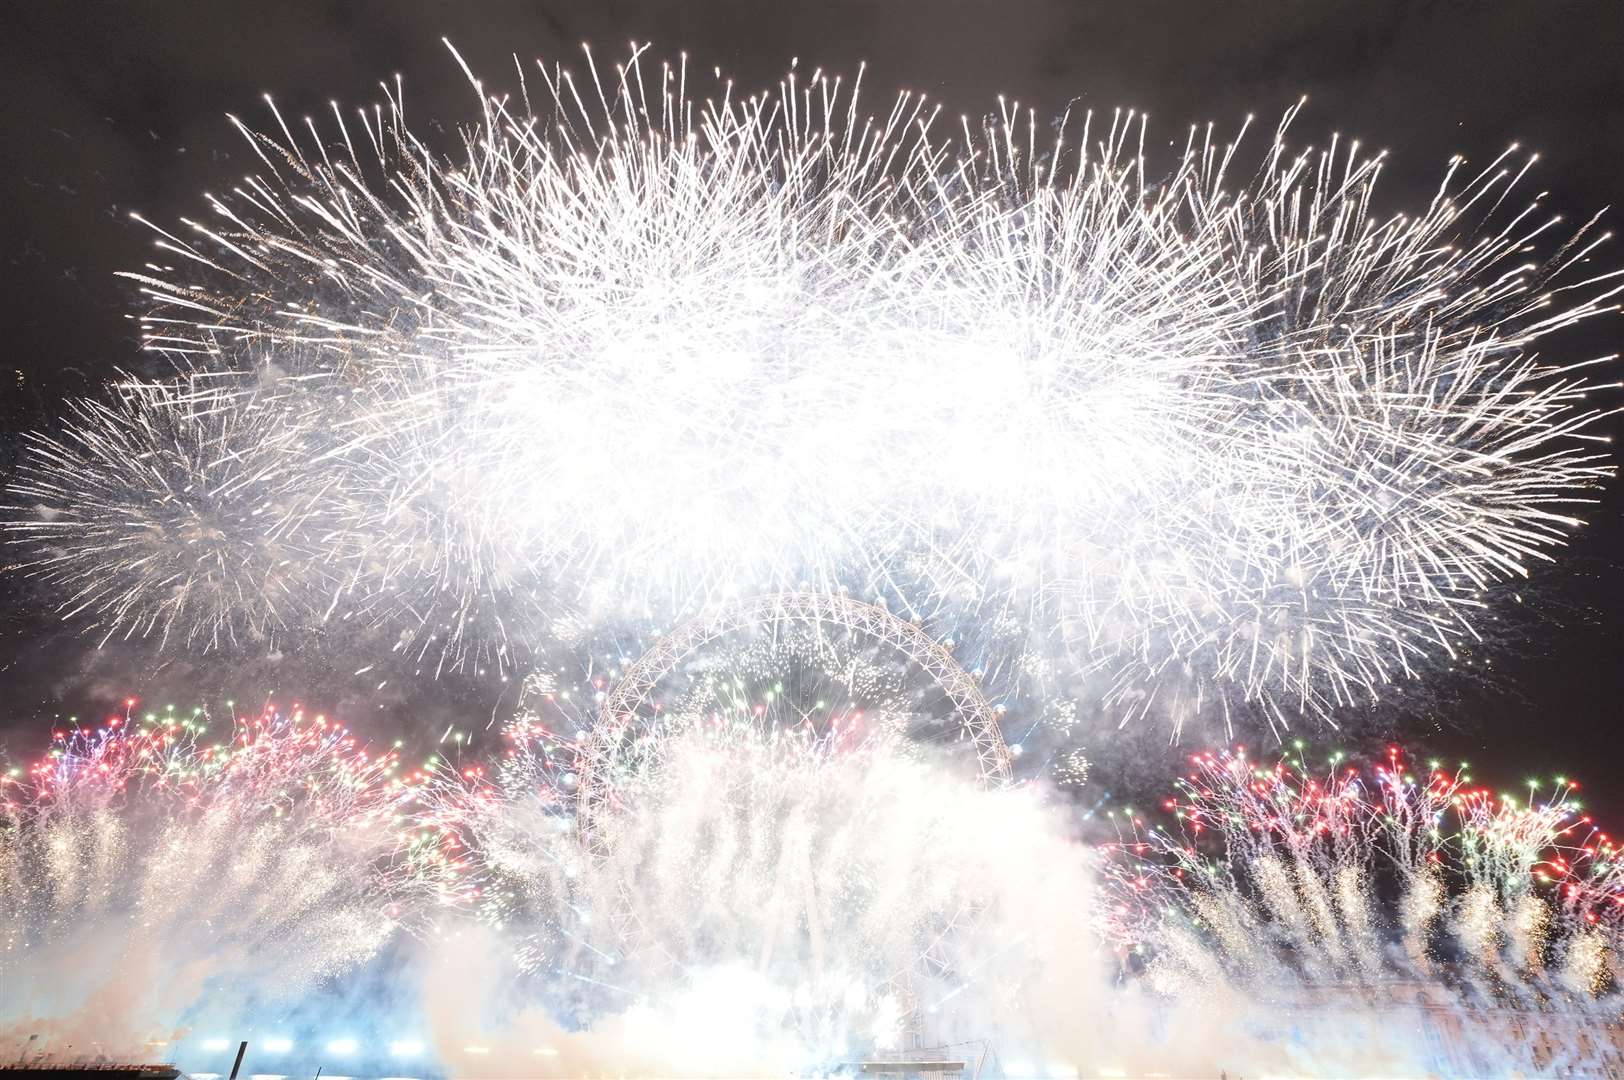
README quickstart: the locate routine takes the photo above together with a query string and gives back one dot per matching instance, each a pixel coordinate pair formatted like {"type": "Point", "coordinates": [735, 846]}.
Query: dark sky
{"type": "Point", "coordinates": [110, 107]}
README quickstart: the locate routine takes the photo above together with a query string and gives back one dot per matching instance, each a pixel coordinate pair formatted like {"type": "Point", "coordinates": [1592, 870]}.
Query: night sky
{"type": "Point", "coordinates": [112, 108]}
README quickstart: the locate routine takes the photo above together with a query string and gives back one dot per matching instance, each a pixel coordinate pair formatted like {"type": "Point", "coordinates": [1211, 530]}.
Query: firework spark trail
{"type": "Point", "coordinates": [1276, 874]}
{"type": "Point", "coordinates": [846, 678]}
{"type": "Point", "coordinates": [744, 859]}
{"type": "Point", "coordinates": [144, 865]}
{"type": "Point", "coordinates": [1230, 444]}
{"type": "Point", "coordinates": [200, 500]}
{"type": "Point", "coordinates": [774, 870]}
{"type": "Point", "coordinates": [775, 839]}
{"type": "Point", "coordinates": [849, 888]}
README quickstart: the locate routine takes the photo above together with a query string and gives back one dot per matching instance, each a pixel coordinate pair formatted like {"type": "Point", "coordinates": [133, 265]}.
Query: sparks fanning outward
{"type": "Point", "coordinates": [1275, 875]}
{"type": "Point", "coordinates": [148, 863]}
{"type": "Point", "coordinates": [776, 869]}
{"type": "Point", "coordinates": [242, 532]}
{"type": "Point", "coordinates": [1220, 439]}
{"type": "Point", "coordinates": [763, 855]}
{"type": "Point", "coordinates": [815, 676]}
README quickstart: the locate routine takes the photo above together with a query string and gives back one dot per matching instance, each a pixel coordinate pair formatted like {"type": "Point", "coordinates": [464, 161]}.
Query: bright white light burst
{"type": "Point", "coordinates": [1222, 443]}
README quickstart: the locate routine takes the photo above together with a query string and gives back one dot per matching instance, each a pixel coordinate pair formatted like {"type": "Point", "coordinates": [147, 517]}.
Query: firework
{"type": "Point", "coordinates": [834, 677]}
{"type": "Point", "coordinates": [808, 897]}
{"type": "Point", "coordinates": [1071, 768]}
{"type": "Point", "coordinates": [1276, 874]}
{"type": "Point", "coordinates": [189, 519]}
{"type": "Point", "coordinates": [149, 864]}
{"type": "Point", "coordinates": [783, 876]}
{"type": "Point", "coordinates": [828, 619]}
{"type": "Point", "coordinates": [1221, 447]}
{"type": "Point", "coordinates": [752, 831]}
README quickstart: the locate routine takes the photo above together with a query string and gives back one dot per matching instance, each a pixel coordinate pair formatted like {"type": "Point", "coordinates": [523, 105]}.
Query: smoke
{"type": "Point", "coordinates": [747, 899]}
{"type": "Point", "coordinates": [756, 909]}
{"type": "Point", "coordinates": [145, 872]}
{"type": "Point", "coordinates": [755, 903]}
{"type": "Point", "coordinates": [687, 948]}
{"type": "Point", "coordinates": [118, 927]}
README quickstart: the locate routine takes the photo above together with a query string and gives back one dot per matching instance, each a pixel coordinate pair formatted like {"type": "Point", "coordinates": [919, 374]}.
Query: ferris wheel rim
{"type": "Point", "coordinates": [978, 717]}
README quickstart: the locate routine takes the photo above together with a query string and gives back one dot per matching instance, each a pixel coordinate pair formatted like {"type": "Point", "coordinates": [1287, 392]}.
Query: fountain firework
{"type": "Point", "coordinates": [149, 864]}
{"type": "Point", "coordinates": [1284, 884]}
{"type": "Point", "coordinates": [779, 874]}
{"type": "Point", "coordinates": [758, 857]}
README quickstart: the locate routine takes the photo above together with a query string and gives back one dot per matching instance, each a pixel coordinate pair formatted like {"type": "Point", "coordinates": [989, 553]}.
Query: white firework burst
{"type": "Point", "coordinates": [641, 347]}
